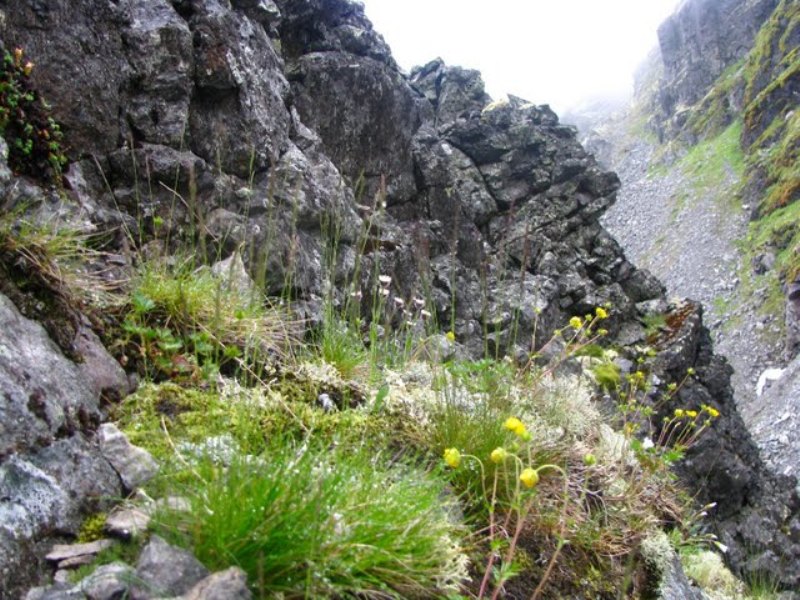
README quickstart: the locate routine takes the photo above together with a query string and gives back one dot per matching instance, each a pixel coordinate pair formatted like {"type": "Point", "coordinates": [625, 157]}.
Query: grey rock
{"type": "Point", "coordinates": [127, 522]}
{"type": "Point", "coordinates": [61, 552]}
{"type": "Point", "coordinates": [55, 592]}
{"type": "Point", "coordinates": [134, 465]}
{"type": "Point", "coordinates": [50, 474]}
{"type": "Point", "coordinates": [230, 584]}
{"type": "Point", "coordinates": [164, 570]}
{"type": "Point", "coordinates": [776, 412]}
{"type": "Point", "coordinates": [159, 45]}
{"type": "Point", "coordinates": [699, 41]}
{"type": "Point", "coordinates": [234, 276]}
{"type": "Point", "coordinates": [324, 79]}
{"type": "Point", "coordinates": [75, 562]}
{"type": "Point", "coordinates": [44, 394]}
{"type": "Point", "coordinates": [108, 582]}
{"type": "Point", "coordinates": [104, 376]}
{"type": "Point", "coordinates": [454, 92]}
{"type": "Point", "coordinates": [238, 116]}
{"type": "Point", "coordinates": [5, 172]}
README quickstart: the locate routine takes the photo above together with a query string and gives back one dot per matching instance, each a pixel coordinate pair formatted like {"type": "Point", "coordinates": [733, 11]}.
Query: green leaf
{"type": "Point", "coordinates": [141, 303]}
{"type": "Point", "coordinates": [380, 398]}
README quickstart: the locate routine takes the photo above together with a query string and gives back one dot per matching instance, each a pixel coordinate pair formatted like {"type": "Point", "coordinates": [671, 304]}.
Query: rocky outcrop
{"type": "Point", "coordinates": [268, 128]}
{"type": "Point", "coordinates": [750, 498]}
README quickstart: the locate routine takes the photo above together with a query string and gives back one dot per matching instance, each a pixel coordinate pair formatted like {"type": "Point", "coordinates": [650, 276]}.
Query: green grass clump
{"type": "Point", "coordinates": [189, 323]}
{"type": "Point", "coordinates": [310, 521]}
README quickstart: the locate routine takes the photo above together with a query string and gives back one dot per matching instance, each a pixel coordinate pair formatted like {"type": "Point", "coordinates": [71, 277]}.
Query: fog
{"type": "Point", "coordinates": [557, 52]}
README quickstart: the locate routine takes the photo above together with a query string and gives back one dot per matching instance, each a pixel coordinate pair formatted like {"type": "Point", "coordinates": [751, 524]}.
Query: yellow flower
{"type": "Point", "coordinates": [690, 371]}
{"type": "Point", "coordinates": [575, 322]}
{"type": "Point", "coordinates": [712, 411]}
{"type": "Point", "coordinates": [679, 413]}
{"type": "Point", "coordinates": [691, 413]}
{"type": "Point", "coordinates": [452, 457]}
{"type": "Point", "coordinates": [451, 337]}
{"type": "Point", "coordinates": [529, 477]}
{"type": "Point", "coordinates": [600, 312]}
{"type": "Point", "coordinates": [498, 455]}
{"type": "Point", "coordinates": [28, 68]}
{"type": "Point", "coordinates": [515, 425]}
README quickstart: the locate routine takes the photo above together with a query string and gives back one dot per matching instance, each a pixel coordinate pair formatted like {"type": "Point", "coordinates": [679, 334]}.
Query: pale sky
{"type": "Point", "coordinates": [555, 52]}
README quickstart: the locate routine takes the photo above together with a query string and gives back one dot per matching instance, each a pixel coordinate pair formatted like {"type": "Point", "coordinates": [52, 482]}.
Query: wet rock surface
{"type": "Point", "coordinates": [266, 115]}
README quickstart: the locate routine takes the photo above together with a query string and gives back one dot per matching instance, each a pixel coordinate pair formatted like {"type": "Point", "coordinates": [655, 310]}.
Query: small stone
{"type": "Point", "coordinates": [76, 561]}
{"type": "Point", "coordinates": [127, 522]}
{"type": "Point", "coordinates": [134, 465]}
{"type": "Point", "coordinates": [230, 584]}
{"type": "Point", "coordinates": [108, 582]}
{"type": "Point", "coordinates": [61, 552]}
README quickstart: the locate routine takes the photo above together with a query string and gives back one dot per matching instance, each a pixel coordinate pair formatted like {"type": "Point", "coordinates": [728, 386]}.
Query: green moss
{"type": "Point", "coordinates": [159, 416]}
{"type": "Point", "coordinates": [92, 528]}
{"type": "Point", "coordinates": [777, 155]}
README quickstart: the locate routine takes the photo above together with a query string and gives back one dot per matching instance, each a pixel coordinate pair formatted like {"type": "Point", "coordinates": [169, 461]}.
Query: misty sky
{"type": "Point", "coordinates": [555, 52]}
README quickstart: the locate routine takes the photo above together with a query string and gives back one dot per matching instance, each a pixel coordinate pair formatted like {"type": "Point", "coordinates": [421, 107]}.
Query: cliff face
{"type": "Point", "coordinates": [258, 125]}
{"type": "Point", "coordinates": [698, 42]}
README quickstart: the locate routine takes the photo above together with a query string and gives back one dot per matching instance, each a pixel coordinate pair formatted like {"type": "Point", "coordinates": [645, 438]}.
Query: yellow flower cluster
{"type": "Point", "coordinates": [692, 414]}
{"type": "Point", "coordinates": [452, 457]}
{"type": "Point", "coordinates": [576, 322]}
{"type": "Point", "coordinates": [529, 477]}
{"type": "Point", "coordinates": [518, 427]}
{"type": "Point", "coordinates": [498, 455]}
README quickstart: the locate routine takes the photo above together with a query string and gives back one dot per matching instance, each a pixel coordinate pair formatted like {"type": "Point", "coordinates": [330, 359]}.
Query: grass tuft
{"type": "Point", "coordinates": [314, 522]}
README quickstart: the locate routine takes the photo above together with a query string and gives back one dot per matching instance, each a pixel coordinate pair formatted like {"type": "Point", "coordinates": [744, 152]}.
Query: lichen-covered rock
{"type": "Point", "coordinates": [50, 473]}
{"type": "Point", "coordinates": [669, 582]}
{"type": "Point", "coordinates": [46, 493]}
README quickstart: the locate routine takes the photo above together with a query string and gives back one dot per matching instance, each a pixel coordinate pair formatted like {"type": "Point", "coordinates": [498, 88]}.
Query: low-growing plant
{"type": "Point", "coordinates": [187, 323]}
{"type": "Point", "coordinates": [34, 138]}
